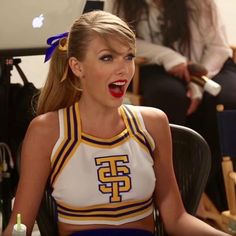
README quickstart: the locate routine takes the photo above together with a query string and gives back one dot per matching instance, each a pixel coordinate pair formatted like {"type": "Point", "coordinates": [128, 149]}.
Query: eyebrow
{"type": "Point", "coordinates": [130, 50]}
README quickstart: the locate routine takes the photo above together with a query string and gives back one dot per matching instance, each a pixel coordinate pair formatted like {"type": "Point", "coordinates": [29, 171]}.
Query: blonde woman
{"type": "Point", "coordinates": [108, 163]}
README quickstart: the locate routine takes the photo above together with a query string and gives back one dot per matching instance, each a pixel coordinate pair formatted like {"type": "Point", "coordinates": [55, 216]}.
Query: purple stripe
{"type": "Point", "coordinates": [64, 157]}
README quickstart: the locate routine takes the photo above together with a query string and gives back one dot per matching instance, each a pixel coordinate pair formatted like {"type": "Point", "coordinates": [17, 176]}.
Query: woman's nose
{"type": "Point", "coordinates": [123, 67]}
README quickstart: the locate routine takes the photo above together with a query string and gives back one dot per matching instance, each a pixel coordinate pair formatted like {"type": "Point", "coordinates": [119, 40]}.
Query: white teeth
{"type": "Point", "coordinates": [119, 83]}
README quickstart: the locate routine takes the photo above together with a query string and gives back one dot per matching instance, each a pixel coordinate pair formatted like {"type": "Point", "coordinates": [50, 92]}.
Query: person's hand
{"type": "Point", "coordinates": [194, 102]}
{"type": "Point", "coordinates": [193, 105]}
{"type": "Point", "coordinates": [181, 71]}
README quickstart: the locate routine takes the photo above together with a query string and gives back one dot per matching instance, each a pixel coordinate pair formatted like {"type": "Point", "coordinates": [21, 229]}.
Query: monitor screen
{"type": "Point", "coordinates": [25, 25]}
{"type": "Point", "coordinates": [93, 5]}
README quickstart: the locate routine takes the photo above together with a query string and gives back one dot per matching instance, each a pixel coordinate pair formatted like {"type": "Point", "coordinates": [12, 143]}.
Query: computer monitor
{"type": "Point", "coordinates": [93, 5]}
{"type": "Point", "coordinates": [25, 25]}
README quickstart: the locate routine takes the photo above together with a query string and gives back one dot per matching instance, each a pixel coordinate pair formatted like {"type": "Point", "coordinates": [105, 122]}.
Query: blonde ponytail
{"type": "Point", "coordinates": [58, 91]}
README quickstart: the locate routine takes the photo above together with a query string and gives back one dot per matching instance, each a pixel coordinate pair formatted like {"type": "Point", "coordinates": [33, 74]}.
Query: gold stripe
{"type": "Point", "coordinates": [141, 129]}
{"type": "Point", "coordinates": [70, 142]}
{"type": "Point", "coordinates": [151, 143]}
{"type": "Point", "coordinates": [129, 117]}
{"type": "Point", "coordinates": [94, 144]}
{"type": "Point", "coordinates": [133, 123]}
{"type": "Point", "coordinates": [110, 206]}
{"type": "Point", "coordinates": [128, 216]}
{"type": "Point", "coordinates": [78, 121]}
{"type": "Point", "coordinates": [108, 139]}
{"type": "Point", "coordinates": [131, 132]}
{"type": "Point", "coordinates": [111, 213]}
{"type": "Point", "coordinates": [64, 139]}
{"type": "Point", "coordinates": [67, 147]}
{"type": "Point", "coordinates": [65, 120]}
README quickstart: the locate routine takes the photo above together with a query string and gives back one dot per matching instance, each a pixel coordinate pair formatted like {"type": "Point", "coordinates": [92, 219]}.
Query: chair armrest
{"type": "Point", "coordinates": [133, 96]}
{"type": "Point", "coordinates": [227, 167]}
{"type": "Point", "coordinates": [232, 176]}
{"type": "Point", "coordinates": [136, 79]}
{"type": "Point", "coordinates": [233, 47]}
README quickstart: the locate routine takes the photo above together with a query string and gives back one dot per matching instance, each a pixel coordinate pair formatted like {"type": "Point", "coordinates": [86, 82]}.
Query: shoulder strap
{"type": "Point", "coordinates": [68, 141]}
{"type": "Point", "coordinates": [137, 128]}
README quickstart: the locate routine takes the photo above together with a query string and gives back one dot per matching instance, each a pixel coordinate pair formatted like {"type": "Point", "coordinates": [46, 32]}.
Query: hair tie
{"type": "Point", "coordinates": [53, 42]}
{"type": "Point", "coordinates": [63, 44]}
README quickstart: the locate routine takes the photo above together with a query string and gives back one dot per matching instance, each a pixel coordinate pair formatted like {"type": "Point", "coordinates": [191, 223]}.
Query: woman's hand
{"type": "Point", "coordinates": [194, 102]}
{"type": "Point", "coordinates": [181, 71]}
{"type": "Point", "coordinates": [193, 106]}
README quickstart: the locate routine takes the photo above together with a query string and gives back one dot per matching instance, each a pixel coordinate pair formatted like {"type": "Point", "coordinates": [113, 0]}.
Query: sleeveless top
{"type": "Point", "coordinates": [102, 181]}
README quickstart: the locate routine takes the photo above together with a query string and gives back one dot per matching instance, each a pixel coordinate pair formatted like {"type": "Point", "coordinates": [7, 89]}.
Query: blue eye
{"type": "Point", "coordinates": [130, 57]}
{"type": "Point", "coordinates": [107, 57]}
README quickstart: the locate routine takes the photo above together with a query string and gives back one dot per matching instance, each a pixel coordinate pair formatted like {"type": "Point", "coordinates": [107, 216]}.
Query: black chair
{"type": "Point", "coordinates": [7, 184]}
{"type": "Point", "coordinates": [47, 215]}
{"type": "Point", "coordinates": [192, 162]}
{"type": "Point", "coordinates": [191, 159]}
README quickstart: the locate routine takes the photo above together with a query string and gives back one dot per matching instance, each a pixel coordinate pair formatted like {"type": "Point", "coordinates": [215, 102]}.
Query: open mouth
{"type": "Point", "coordinates": [117, 88]}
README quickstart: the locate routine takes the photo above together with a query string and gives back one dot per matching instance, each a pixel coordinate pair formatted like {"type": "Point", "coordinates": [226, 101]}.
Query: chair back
{"type": "Point", "coordinates": [47, 215]}
{"type": "Point", "coordinates": [227, 132]}
{"type": "Point", "coordinates": [192, 163]}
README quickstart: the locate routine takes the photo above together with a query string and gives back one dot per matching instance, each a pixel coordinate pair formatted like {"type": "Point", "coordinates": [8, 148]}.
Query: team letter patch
{"type": "Point", "coordinates": [113, 176]}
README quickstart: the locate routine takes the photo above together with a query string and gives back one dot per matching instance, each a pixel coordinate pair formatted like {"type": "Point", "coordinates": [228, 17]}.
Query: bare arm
{"type": "Point", "coordinates": [35, 168]}
{"type": "Point", "coordinates": [168, 199]}
{"type": "Point", "coordinates": [217, 49]}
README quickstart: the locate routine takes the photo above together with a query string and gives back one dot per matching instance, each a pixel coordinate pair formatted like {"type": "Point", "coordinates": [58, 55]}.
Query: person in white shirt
{"type": "Point", "coordinates": [172, 34]}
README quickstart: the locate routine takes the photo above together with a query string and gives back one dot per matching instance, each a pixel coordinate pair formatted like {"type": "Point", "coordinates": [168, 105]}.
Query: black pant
{"type": "Point", "coordinates": [168, 93]}
{"type": "Point", "coordinates": [205, 122]}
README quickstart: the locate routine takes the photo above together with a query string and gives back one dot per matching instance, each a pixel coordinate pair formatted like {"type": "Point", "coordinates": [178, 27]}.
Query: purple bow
{"type": "Point", "coordinates": [53, 42]}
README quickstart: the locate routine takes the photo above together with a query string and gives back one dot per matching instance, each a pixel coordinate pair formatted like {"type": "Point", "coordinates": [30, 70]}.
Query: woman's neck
{"type": "Point", "coordinates": [102, 123]}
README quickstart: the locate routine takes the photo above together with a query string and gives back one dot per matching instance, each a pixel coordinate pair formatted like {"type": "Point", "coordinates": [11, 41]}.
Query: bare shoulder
{"type": "Point", "coordinates": [156, 123]}
{"type": "Point", "coordinates": [153, 117]}
{"type": "Point", "coordinates": [43, 131]}
{"type": "Point", "coordinates": [45, 124]}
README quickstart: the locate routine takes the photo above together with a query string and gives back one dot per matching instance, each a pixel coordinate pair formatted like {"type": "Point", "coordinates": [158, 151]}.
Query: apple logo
{"type": "Point", "coordinates": [38, 21]}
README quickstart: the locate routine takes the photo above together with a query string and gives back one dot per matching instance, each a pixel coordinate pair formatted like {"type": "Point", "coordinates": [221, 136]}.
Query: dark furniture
{"type": "Point", "coordinates": [227, 138]}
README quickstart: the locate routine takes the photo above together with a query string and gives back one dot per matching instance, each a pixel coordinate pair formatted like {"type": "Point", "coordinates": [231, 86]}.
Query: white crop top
{"type": "Point", "coordinates": [102, 181]}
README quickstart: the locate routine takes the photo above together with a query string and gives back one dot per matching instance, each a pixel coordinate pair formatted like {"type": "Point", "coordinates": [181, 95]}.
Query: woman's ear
{"type": "Point", "coordinates": [76, 67]}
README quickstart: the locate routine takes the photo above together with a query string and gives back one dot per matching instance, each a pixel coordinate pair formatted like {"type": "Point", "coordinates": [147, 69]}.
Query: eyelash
{"type": "Point", "coordinates": [131, 56]}
{"type": "Point", "coordinates": [109, 57]}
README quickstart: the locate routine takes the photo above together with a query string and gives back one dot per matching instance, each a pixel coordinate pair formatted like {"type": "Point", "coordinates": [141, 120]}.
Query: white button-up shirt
{"type": "Point", "coordinates": [209, 45]}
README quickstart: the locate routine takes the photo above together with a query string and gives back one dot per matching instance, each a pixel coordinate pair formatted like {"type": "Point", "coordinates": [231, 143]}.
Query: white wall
{"type": "Point", "coordinates": [36, 70]}
{"type": "Point", "coordinates": [228, 11]}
